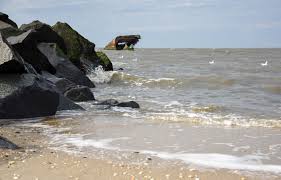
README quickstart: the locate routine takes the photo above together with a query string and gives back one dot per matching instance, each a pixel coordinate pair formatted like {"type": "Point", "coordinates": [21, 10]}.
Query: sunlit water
{"type": "Point", "coordinates": [220, 114]}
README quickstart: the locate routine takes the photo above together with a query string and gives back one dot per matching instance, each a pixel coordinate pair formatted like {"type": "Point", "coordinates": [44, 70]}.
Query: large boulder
{"type": "Point", "coordinates": [29, 102]}
{"type": "Point", "coordinates": [6, 144]}
{"type": "Point", "coordinates": [64, 68]}
{"type": "Point", "coordinates": [105, 61]}
{"type": "Point", "coordinates": [26, 45]}
{"type": "Point", "coordinates": [113, 102]}
{"type": "Point", "coordinates": [45, 34]}
{"type": "Point", "coordinates": [8, 27]}
{"type": "Point", "coordinates": [9, 83]}
{"type": "Point", "coordinates": [10, 61]}
{"type": "Point", "coordinates": [80, 94]}
{"type": "Point", "coordinates": [5, 18]}
{"type": "Point", "coordinates": [80, 51]}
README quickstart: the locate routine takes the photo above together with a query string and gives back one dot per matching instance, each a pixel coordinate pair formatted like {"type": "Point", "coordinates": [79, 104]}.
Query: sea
{"type": "Point", "coordinates": [203, 108]}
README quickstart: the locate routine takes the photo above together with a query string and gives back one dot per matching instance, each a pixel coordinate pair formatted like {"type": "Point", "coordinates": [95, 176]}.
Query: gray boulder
{"type": "Point", "coordinates": [6, 144]}
{"type": "Point", "coordinates": [10, 61]}
{"type": "Point", "coordinates": [10, 83]}
{"type": "Point", "coordinates": [26, 45]}
{"type": "Point", "coordinates": [5, 18]}
{"type": "Point", "coordinates": [29, 102]}
{"type": "Point", "coordinates": [131, 104]}
{"type": "Point", "coordinates": [80, 94]}
{"type": "Point", "coordinates": [64, 67]}
{"type": "Point", "coordinates": [113, 102]}
{"type": "Point", "coordinates": [45, 34]}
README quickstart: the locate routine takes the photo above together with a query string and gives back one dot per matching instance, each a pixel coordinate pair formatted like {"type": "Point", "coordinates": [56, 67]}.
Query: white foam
{"type": "Point", "coordinates": [99, 76]}
{"type": "Point", "coordinates": [220, 161]}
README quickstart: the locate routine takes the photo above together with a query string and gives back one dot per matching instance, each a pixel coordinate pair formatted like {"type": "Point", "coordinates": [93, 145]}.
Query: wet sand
{"type": "Point", "coordinates": [35, 161]}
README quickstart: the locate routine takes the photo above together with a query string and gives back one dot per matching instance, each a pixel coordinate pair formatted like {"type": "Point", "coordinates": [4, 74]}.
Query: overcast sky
{"type": "Point", "coordinates": [162, 23]}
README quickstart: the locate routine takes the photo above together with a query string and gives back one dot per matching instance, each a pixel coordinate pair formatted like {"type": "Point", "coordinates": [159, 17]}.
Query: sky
{"type": "Point", "coordinates": [161, 23]}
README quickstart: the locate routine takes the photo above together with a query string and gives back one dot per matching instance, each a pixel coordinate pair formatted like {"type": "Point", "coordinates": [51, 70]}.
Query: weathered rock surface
{"type": "Point", "coordinates": [113, 102]}
{"type": "Point", "coordinates": [131, 104]}
{"type": "Point", "coordinates": [64, 68]}
{"type": "Point", "coordinates": [80, 51]}
{"type": "Point", "coordinates": [123, 42]}
{"type": "Point", "coordinates": [26, 45]}
{"type": "Point", "coordinates": [6, 144]}
{"type": "Point", "coordinates": [80, 94]}
{"type": "Point", "coordinates": [10, 83]}
{"type": "Point", "coordinates": [105, 61]}
{"type": "Point", "coordinates": [45, 34]}
{"type": "Point", "coordinates": [10, 61]}
{"type": "Point", "coordinates": [5, 18]}
{"type": "Point", "coordinates": [70, 90]}
{"type": "Point", "coordinates": [28, 102]}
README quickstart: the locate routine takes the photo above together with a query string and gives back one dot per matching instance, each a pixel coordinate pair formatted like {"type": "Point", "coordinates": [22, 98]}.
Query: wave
{"type": "Point", "coordinates": [221, 161]}
{"type": "Point", "coordinates": [211, 119]}
{"type": "Point", "coordinates": [74, 144]}
{"type": "Point", "coordinates": [100, 76]}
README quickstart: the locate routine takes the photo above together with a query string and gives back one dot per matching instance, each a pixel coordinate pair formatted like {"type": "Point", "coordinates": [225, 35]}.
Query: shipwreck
{"type": "Point", "coordinates": [127, 42]}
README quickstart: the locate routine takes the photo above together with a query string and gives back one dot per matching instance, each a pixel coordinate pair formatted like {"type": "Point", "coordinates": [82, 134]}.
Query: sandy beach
{"type": "Point", "coordinates": [35, 161]}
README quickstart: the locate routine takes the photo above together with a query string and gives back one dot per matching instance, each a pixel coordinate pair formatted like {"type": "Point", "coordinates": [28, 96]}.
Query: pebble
{"type": "Point", "coordinates": [242, 178]}
{"type": "Point", "coordinates": [180, 176]}
{"type": "Point", "coordinates": [16, 176]}
{"type": "Point", "coordinates": [11, 163]}
{"type": "Point", "coordinates": [140, 173]}
{"type": "Point", "coordinates": [167, 176]}
{"type": "Point", "coordinates": [115, 174]}
{"type": "Point", "coordinates": [190, 176]}
{"type": "Point", "coordinates": [197, 178]}
{"type": "Point", "coordinates": [191, 170]}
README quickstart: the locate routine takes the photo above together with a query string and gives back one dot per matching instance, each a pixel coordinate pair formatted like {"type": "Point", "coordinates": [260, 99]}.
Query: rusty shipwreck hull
{"type": "Point", "coordinates": [123, 42]}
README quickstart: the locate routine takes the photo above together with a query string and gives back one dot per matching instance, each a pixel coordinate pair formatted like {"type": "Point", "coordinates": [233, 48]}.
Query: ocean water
{"type": "Point", "coordinates": [225, 114]}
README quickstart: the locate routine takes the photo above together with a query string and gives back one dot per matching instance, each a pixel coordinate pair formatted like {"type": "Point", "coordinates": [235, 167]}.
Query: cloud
{"type": "Point", "coordinates": [9, 5]}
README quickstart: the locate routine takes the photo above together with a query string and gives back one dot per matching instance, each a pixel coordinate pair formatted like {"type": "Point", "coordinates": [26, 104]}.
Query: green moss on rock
{"type": "Point", "coordinates": [79, 48]}
{"type": "Point", "coordinates": [104, 61]}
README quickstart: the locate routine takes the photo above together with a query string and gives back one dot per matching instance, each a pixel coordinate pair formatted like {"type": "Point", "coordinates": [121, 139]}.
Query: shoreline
{"type": "Point", "coordinates": [37, 161]}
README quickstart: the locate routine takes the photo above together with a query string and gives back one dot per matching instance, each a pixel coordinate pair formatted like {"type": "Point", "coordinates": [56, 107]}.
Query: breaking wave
{"type": "Point", "coordinates": [100, 76]}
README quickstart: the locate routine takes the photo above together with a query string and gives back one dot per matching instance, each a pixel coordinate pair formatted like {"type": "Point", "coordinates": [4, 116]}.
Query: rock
{"type": "Point", "coordinates": [80, 51]}
{"type": "Point", "coordinates": [6, 144]}
{"type": "Point", "coordinates": [104, 61]}
{"type": "Point", "coordinates": [63, 84]}
{"type": "Point", "coordinates": [56, 84]}
{"type": "Point", "coordinates": [8, 30]}
{"type": "Point", "coordinates": [123, 42]}
{"type": "Point", "coordinates": [109, 102]}
{"type": "Point", "coordinates": [80, 94]}
{"type": "Point", "coordinates": [29, 102]}
{"type": "Point", "coordinates": [5, 18]}
{"type": "Point", "coordinates": [113, 102]}
{"type": "Point", "coordinates": [131, 104]}
{"type": "Point", "coordinates": [77, 46]}
{"type": "Point", "coordinates": [10, 61]}
{"type": "Point", "coordinates": [26, 45]}
{"type": "Point", "coordinates": [10, 83]}
{"type": "Point", "coordinates": [64, 68]}
{"type": "Point", "coordinates": [45, 34]}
